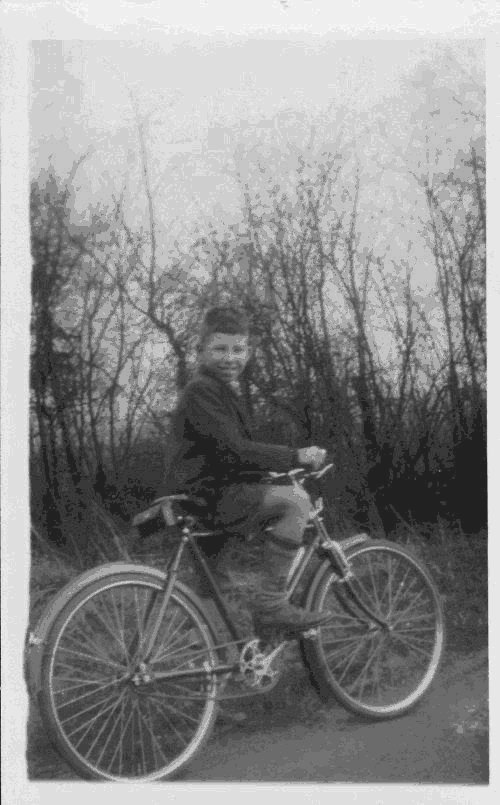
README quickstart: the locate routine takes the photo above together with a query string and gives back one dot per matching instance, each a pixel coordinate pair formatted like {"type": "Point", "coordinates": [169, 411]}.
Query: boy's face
{"type": "Point", "coordinates": [226, 355]}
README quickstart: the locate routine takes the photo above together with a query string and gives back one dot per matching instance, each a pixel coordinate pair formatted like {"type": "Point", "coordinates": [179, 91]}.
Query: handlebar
{"type": "Point", "coordinates": [293, 474]}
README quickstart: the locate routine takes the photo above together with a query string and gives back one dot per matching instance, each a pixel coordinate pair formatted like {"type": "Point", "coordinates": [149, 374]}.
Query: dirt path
{"type": "Point", "coordinates": [444, 740]}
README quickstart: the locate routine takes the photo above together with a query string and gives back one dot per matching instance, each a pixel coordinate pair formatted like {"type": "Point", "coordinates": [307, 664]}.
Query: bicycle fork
{"type": "Point", "coordinates": [339, 561]}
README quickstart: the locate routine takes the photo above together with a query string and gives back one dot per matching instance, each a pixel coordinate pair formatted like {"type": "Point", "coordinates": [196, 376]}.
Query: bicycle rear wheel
{"type": "Point", "coordinates": [109, 713]}
{"type": "Point", "coordinates": [377, 671]}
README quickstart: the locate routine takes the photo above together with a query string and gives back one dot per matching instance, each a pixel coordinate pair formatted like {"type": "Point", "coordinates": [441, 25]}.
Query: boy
{"type": "Point", "coordinates": [213, 454]}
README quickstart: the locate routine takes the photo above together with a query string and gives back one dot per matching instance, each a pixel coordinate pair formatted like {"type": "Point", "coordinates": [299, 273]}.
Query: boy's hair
{"type": "Point", "coordinates": [224, 319]}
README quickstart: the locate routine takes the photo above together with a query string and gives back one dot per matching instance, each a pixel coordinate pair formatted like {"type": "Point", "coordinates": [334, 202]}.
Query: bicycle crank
{"type": "Point", "coordinates": [260, 670]}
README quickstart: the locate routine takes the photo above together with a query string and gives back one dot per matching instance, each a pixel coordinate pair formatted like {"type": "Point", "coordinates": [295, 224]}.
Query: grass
{"type": "Point", "coordinates": [49, 574]}
{"type": "Point", "coordinates": [458, 563]}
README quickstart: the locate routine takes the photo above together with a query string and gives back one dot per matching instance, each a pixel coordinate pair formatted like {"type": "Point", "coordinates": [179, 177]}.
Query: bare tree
{"type": "Point", "coordinates": [56, 258]}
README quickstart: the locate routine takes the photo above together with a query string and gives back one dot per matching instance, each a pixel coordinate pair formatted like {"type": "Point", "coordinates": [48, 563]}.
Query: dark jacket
{"type": "Point", "coordinates": [211, 444]}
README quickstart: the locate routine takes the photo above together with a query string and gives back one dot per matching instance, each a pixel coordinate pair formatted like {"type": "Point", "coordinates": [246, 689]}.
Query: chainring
{"type": "Point", "coordinates": [260, 670]}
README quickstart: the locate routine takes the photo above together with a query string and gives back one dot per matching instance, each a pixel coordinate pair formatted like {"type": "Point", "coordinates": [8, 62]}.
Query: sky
{"type": "Point", "coordinates": [366, 17]}
{"type": "Point", "coordinates": [229, 77]}
{"type": "Point", "coordinates": [189, 82]}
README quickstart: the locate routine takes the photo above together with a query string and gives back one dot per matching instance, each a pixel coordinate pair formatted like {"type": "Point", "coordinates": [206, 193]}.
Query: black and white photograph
{"type": "Point", "coordinates": [254, 516]}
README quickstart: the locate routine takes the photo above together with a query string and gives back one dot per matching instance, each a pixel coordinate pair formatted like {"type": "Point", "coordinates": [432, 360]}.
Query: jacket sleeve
{"type": "Point", "coordinates": [210, 419]}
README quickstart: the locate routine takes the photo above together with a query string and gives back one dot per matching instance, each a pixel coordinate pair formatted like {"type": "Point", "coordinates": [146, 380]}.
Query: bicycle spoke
{"type": "Point", "coordinates": [414, 648]}
{"type": "Point", "coordinates": [172, 641]}
{"type": "Point", "coordinates": [168, 720]}
{"type": "Point", "coordinates": [155, 744]}
{"type": "Point", "coordinates": [100, 689]}
{"type": "Point", "coordinates": [80, 640]}
{"type": "Point", "coordinates": [418, 630]}
{"type": "Point", "coordinates": [119, 745]}
{"type": "Point", "coordinates": [86, 710]}
{"type": "Point", "coordinates": [131, 735]}
{"type": "Point", "coordinates": [103, 729]}
{"type": "Point", "coordinates": [78, 682]}
{"type": "Point", "coordinates": [104, 616]}
{"type": "Point", "coordinates": [172, 630]}
{"type": "Point", "coordinates": [374, 598]}
{"type": "Point", "coordinates": [170, 655]}
{"type": "Point", "coordinates": [371, 671]}
{"type": "Point", "coordinates": [378, 674]}
{"type": "Point", "coordinates": [166, 698]}
{"type": "Point", "coordinates": [68, 667]}
{"type": "Point", "coordinates": [412, 616]}
{"type": "Point", "coordinates": [109, 631]}
{"type": "Point", "coordinates": [366, 583]}
{"type": "Point", "coordinates": [118, 620]}
{"type": "Point", "coordinates": [138, 619]}
{"type": "Point", "coordinates": [404, 588]}
{"type": "Point", "coordinates": [141, 735]}
{"type": "Point", "coordinates": [341, 647]}
{"type": "Point", "coordinates": [361, 676]}
{"type": "Point", "coordinates": [389, 585]}
{"type": "Point", "coordinates": [93, 658]}
{"type": "Point", "coordinates": [349, 658]}
{"type": "Point", "coordinates": [411, 610]}
{"type": "Point", "coordinates": [343, 622]}
{"type": "Point", "coordinates": [154, 740]}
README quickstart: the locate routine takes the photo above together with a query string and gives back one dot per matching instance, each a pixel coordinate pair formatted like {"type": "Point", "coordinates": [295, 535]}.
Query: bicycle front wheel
{"type": "Point", "coordinates": [377, 670]}
{"type": "Point", "coordinates": [113, 714]}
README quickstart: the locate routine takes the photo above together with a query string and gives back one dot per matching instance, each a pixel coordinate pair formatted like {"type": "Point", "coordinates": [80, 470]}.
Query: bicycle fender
{"type": "Point", "coordinates": [347, 544]}
{"type": "Point", "coordinates": [38, 636]}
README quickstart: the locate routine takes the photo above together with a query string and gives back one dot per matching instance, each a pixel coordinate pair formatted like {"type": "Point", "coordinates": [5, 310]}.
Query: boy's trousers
{"type": "Point", "coordinates": [268, 523]}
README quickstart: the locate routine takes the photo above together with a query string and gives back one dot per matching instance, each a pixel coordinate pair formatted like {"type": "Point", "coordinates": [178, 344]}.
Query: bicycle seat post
{"type": "Point", "coordinates": [214, 589]}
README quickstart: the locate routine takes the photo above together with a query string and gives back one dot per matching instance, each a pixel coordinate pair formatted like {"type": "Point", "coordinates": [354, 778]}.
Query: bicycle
{"type": "Point", "coordinates": [128, 670]}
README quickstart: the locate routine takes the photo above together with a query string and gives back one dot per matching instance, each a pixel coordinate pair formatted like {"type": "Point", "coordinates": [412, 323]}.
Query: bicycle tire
{"type": "Point", "coordinates": [106, 714]}
{"type": "Point", "coordinates": [372, 671]}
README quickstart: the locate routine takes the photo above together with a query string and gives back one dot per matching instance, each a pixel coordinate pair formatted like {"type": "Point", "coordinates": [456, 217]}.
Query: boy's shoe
{"type": "Point", "coordinates": [284, 617]}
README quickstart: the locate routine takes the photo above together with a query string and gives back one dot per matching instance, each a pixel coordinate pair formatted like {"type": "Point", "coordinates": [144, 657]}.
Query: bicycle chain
{"type": "Point", "coordinates": [252, 671]}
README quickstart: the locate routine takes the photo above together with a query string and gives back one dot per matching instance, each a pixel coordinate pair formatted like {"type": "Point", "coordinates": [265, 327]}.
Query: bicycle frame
{"type": "Point", "coordinates": [321, 544]}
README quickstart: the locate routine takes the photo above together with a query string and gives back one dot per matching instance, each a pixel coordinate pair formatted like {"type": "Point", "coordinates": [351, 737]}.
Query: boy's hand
{"type": "Point", "coordinates": [312, 456]}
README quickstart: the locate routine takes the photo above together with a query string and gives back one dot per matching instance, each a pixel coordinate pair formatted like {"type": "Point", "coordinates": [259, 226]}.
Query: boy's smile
{"type": "Point", "coordinates": [226, 355]}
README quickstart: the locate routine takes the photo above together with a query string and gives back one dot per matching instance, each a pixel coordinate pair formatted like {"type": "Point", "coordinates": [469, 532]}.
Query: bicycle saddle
{"type": "Point", "coordinates": [169, 511]}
